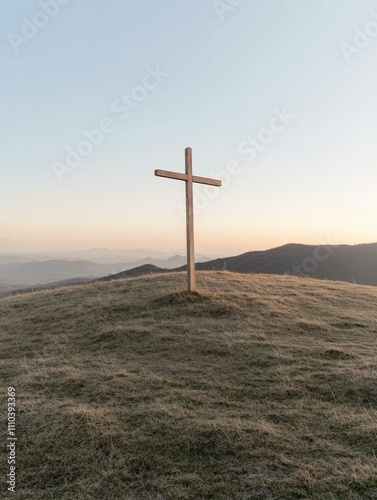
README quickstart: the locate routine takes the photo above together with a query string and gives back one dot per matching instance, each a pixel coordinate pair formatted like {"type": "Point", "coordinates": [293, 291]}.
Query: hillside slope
{"type": "Point", "coordinates": [259, 387]}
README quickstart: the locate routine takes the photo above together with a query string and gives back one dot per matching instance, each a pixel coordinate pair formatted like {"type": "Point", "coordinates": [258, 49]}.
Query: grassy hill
{"type": "Point", "coordinates": [259, 387]}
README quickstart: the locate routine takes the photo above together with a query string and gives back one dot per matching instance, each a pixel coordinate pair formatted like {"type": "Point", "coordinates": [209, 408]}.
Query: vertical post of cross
{"type": "Point", "coordinates": [190, 222]}
{"type": "Point", "coordinates": [189, 179]}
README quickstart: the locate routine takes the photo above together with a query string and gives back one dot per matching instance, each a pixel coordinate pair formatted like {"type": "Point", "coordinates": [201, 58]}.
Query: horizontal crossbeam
{"type": "Point", "coordinates": [183, 177]}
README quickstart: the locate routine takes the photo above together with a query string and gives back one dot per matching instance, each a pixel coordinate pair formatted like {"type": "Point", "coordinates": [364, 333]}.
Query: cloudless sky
{"type": "Point", "coordinates": [226, 75]}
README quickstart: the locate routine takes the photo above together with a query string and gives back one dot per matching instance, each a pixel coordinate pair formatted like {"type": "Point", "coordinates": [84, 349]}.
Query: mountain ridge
{"type": "Point", "coordinates": [348, 263]}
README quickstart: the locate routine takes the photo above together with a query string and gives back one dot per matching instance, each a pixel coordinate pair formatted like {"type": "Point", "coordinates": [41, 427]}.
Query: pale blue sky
{"type": "Point", "coordinates": [225, 80]}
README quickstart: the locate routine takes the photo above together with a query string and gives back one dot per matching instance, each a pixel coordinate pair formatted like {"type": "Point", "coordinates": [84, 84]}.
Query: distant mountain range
{"type": "Point", "coordinates": [354, 264]}
{"type": "Point", "coordinates": [21, 271]}
{"type": "Point", "coordinates": [41, 273]}
{"type": "Point", "coordinates": [7, 287]}
{"type": "Point", "coordinates": [98, 255]}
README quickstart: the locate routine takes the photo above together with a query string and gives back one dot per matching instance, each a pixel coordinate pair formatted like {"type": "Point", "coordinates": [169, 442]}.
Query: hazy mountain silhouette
{"type": "Point", "coordinates": [102, 256]}
{"type": "Point", "coordinates": [8, 260]}
{"type": "Point", "coordinates": [6, 286]}
{"type": "Point", "coordinates": [53, 270]}
{"type": "Point", "coordinates": [41, 273]}
{"type": "Point", "coordinates": [146, 269]}
{"type": "Point", "coordinates": [354, 264]}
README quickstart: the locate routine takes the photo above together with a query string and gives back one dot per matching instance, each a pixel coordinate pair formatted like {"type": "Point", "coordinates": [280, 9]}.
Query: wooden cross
{"type": "Point", "coordinates": [189, 180]}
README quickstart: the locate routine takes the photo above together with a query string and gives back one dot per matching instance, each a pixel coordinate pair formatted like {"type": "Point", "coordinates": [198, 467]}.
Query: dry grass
{"type": "Point", "coordinates": [260, 387]}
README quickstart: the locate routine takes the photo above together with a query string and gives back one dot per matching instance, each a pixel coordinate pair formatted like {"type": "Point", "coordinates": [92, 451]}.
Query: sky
{"type": "Point", "coordinates": [277, 98]}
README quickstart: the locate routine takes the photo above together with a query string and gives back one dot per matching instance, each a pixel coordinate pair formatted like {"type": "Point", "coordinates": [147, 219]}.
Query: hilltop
{"type": "Point", "coordinates": [257, 387]}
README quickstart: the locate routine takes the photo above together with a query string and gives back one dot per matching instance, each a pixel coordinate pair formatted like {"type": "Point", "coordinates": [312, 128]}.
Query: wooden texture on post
{"type": "Point", "coordinates": [189, 179]}
{"type": "Point", "coordinates": [190, 222]}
